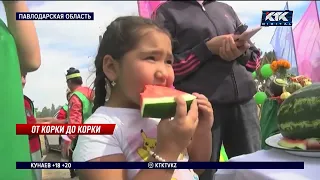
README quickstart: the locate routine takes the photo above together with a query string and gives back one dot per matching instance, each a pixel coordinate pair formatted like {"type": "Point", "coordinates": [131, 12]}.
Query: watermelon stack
{"type": "Point", "coordinates": [299, 117]}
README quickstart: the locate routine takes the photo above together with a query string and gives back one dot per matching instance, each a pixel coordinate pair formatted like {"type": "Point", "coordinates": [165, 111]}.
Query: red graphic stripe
{"type": "Point", "coordinates": [193, 66]}
{"type": "Point", "coordinates": [185, 62]}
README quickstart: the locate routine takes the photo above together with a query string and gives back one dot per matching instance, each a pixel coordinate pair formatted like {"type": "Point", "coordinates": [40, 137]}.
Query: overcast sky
{"type": "Point", "coordinates": [74, 43]}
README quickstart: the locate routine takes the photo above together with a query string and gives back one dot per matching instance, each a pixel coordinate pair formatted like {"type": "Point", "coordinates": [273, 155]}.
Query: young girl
{"type": "Point", "coordinates": [135, 52]}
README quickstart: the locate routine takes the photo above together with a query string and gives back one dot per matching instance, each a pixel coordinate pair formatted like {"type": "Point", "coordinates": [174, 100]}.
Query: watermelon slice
{"type": "Point", "coordinates": [158, 101]}
{"type": "Point", "coordinates": [293, 144]}
{"type": "Point", "coordinates": [313, 144]}
{"type": "Point", "coordinates": [307, 144]}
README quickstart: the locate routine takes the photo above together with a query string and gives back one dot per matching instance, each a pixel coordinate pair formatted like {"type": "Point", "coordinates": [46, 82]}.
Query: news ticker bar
{"type": "Point", "coordinates": [160, 165]}
{"type": "Point", "coordinates": [55, 16]}
{"type": "Point", "coordinates": [35, 129]}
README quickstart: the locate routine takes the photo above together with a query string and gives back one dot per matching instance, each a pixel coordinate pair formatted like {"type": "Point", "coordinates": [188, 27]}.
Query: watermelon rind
{"type": "Point", "coordinates": [293, 145]}
{"type": "Point", "coordinates": [299, 115]}
{"type": "Point", "coordinates": [163, 107]}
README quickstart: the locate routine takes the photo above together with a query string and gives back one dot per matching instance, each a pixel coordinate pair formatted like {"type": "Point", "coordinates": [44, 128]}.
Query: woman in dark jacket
{"type": "Point", "coordinates": [210, 61]}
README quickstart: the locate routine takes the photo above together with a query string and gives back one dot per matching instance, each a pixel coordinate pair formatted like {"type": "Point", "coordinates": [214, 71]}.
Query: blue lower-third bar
{"type": "Point", "coordinates": [160, 165]}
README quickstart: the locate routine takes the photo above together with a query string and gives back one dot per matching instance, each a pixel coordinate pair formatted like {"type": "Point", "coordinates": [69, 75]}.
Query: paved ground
{"type": "Point", "coordinates": [54, 174]}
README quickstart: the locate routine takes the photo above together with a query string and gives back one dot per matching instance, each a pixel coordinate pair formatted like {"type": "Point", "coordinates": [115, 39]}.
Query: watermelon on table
{"type": "Point", "coordinates": [299, 115]}
{"type": "Point", "coordinates": [159, 102]}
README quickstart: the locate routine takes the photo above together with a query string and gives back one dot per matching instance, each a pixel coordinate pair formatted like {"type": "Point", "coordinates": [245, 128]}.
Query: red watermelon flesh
{"type": "Point", "coordinates": [307, 144]}
{"type": "Point", "coordinates": [313, 144]}
{"type": "Point", "coordinates": [293, 144]}
{"type": "Point", "coordinates": [158, 101]}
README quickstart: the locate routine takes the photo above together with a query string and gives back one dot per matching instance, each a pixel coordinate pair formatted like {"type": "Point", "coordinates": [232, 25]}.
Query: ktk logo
{"type": "Point", "coordinates": [276, 16]}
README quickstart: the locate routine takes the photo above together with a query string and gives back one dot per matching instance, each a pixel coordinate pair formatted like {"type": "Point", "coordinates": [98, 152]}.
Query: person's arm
{"type": "Point", "coordinates": [251, 58]}
{"type": "Point", "coordinates": [50, 120]}
{"type": "Point", "coordinates": [200, 148]}
{"type": "Point", "coordinates": [25, 36]}
{"type": "Point", "coordinates": [44, 120]}
{"type": "Point", "coordinates": [188, 61]}
{"type": "Point", "coordinates": [75, 113]}
{"type": "Point", "coordinates": [31, 120]}
{"type": "Point", "coordinates": [62, 114]}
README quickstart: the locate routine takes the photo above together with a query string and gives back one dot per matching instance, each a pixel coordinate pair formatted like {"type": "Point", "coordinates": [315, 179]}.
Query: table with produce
{"type": "Point", "coordinates": [290, 125]}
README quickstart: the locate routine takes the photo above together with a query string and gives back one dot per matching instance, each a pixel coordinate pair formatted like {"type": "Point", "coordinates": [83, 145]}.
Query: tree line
{"type": "Point", "coordinates": [47, 112]}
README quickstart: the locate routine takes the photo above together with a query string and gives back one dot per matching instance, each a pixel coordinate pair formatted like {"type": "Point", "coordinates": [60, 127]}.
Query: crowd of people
{"type": "Point", "coordinates": [203, 57]}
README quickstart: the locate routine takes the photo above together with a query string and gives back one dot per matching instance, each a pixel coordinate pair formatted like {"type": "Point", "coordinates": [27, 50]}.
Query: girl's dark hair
{"type": "Point", "coordinates": [77, 80]}
{"type": "Point", "coordinates": [121, 36]}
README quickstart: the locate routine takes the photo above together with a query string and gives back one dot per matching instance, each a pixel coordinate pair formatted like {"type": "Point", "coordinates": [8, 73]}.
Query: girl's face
{"type": "Point", "coordinates": [150, 63]}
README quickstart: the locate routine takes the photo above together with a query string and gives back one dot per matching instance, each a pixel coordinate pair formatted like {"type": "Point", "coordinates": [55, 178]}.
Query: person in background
{"type": "Point", "coordinates": [19, 52]}
{"type": "Point", "coordinates": [210, 59]}
{"type": "Point", "coordinates": [80, 107]}
{"type": "Point", "coordinates": [60, 117]}
{"type": "Point", "coordinates": [34, 140]}
{"type": "Point", "coordinates": [62, 114]}
{"type": "Point", "coordinates": [40, 120]}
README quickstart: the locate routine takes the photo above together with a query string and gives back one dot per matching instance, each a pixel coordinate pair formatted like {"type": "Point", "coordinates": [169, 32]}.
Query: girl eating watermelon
{"type": "Point", "coordinates": [135, 52]}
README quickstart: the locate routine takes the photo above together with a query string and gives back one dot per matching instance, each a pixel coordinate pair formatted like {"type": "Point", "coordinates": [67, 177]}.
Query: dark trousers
{"type": "Point", "coordinates": [72, 171]}
{"type": "Point", "coordinates": [237, 127]}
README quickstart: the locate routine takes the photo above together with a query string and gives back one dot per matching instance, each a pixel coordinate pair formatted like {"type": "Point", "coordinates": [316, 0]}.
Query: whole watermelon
{"type": "Point", "coordinates": [299, 115]}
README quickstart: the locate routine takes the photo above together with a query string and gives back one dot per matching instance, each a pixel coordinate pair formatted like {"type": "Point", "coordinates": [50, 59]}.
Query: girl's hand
{"type": "Point", "coordinates": [175, 135]}
{"type": "Point", "coordinates": [205, 111]}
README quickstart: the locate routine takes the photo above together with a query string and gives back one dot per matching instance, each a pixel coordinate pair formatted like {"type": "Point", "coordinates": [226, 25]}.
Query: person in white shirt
{"type": "Point", "coordinates": [135, 52]}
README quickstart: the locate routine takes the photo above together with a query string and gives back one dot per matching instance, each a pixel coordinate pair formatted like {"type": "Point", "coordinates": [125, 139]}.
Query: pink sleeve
{"type": "Point", "coordinates": [75, 113]}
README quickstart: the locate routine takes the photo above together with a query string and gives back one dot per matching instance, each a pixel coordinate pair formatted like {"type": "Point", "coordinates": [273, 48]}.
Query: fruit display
{"type": "Point", "coordinates": [299, 118]}
{"type": "Point", "coordinates": [277, 85]}
{"type": "Point", "coordinates": [284, 95]}
{"type": "Point", "coordinates": [292, 87]}
{"type": "Point", "coordinates": [302, 80]}
{"type": "Point", "coordinates": [289, 105]}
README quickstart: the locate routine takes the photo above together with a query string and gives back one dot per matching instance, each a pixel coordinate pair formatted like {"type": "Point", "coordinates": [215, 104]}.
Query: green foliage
{"type": "Point", "coordinates": [267, 58]}
{"type": "Point", "coordinates": [262, 83]}
{"type": "Point", "coordinates": [47, 112]}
